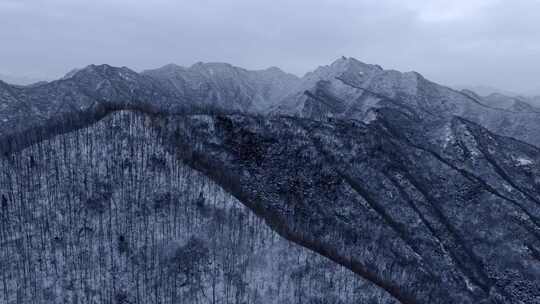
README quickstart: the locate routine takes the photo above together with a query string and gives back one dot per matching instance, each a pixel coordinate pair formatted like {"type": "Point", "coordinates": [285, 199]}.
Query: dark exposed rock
{"type": "Point", "coordinates": [441, 245]}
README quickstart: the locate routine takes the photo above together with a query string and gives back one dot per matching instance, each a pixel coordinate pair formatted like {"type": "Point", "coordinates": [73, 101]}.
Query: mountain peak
{"type": "Point", "coordinates": [102, 71]}
{"type": "Point", "coordinates": [214, 66]}
{"type": "Point", "coordinates": [343, 65]}
{"type": "Point", "coordinates": [274, 70]}
{"type": "Point", "coordinates": [344, 62]}
{"type": "Point", "coordinates": [172, 67]}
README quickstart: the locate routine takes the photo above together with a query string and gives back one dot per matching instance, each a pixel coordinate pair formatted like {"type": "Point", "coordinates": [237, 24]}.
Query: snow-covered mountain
{"type": "Point", "coordinates": [485, 90]}
{"type": "Point", "coordinates": [214, 184]}
{"type": "Point", "coordinates": [347, 88]}
{"type": "Point", "coordinates": [226, 86]}
{"type": "Point", "coordinates": [350, 89]}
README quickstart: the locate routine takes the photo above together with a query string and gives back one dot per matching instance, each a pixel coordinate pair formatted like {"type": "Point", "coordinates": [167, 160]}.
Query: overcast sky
{"type": "Point", "coordinates": [477, 42]}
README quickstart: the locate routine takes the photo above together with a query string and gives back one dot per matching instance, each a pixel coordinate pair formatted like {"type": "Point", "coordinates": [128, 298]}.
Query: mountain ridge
{"type": "Point", "coordinates": [244, 145]}
{"type": "Point", "coordinates": [380, 172]}
{"type": "Point", "coordinates": [346, 88]}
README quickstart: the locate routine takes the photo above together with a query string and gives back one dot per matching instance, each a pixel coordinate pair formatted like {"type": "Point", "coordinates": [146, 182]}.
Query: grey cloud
{"type": "Point", "coordinates": [487, 42]}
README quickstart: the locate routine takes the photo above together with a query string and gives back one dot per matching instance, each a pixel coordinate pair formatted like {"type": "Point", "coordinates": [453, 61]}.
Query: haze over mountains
{"type": "Point", "coordinates": [20, 80]}
{"type": "Point", "coordinates": [427, 194]}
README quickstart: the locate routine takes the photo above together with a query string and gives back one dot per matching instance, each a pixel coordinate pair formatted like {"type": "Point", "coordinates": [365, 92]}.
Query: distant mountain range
{"type": "Point", "coordinates": [20, 80]}
{"type": "Point", "coordinates": [485, 90]}
{"type": "Point", "coordinates": [347, 88]}
{"type": "Point", "coordinates": [128, 187]}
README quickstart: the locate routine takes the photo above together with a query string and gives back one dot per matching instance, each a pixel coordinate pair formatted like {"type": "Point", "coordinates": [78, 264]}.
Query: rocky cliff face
{"type": "Point", "coordinates": [404, 183]}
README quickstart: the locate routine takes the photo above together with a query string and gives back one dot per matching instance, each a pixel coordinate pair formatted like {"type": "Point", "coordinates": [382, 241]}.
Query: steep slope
{"type": "Point", "coordinates": [428, 219]}
{"type": "Point", "coordinates": [427, 226]}
{"type": "Point", "coordinates": [347, 88]}
{"type": "Point", "coordinates": [106, 215]}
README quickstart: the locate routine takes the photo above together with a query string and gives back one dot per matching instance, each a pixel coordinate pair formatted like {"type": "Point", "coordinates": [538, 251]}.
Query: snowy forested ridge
{"type": "Point", "coordinates": [107, 215]}
{"type": "Point", "coordinates": [213, 184]}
